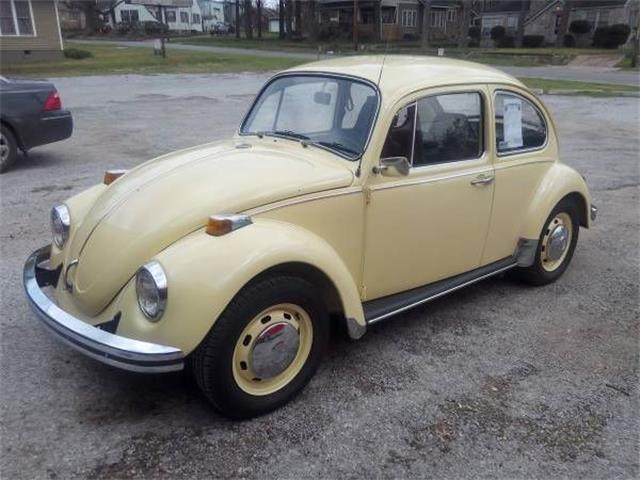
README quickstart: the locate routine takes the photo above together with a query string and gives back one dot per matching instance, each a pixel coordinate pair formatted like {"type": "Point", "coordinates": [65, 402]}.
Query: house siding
{"type": "Point", "coordinates": [44, 45]}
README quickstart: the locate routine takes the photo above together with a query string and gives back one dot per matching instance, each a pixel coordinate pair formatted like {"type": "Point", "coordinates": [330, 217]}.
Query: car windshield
{"type": "Point", "coordinates": [330, 112]}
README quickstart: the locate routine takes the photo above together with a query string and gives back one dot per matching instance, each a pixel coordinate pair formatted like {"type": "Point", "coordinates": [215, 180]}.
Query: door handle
{"type": "Point", "coordinates": [482, 180]}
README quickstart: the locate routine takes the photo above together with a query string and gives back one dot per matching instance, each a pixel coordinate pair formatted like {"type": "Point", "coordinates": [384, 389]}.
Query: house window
{"type": "Point", "coordinates": [512, 21]}
{"type": "Point", "coordinates": [184, 17]}
{"type": "Point", "coordinates": [438, 19]}
{"type": "Point", "coordinates": [388, 15]}
{"type": "Point", "coordinates": [171, 16]}
{"type": "Point", "coordinates": [451, 16]}
{"type": "Point", "coordinates": [196, 18]}
{"type": "Point", "coordinates": [16, 18]}
{"type": "Point", "coordinates": [129, 16]}
{"type": "Point", "coordinates": [409, 18]}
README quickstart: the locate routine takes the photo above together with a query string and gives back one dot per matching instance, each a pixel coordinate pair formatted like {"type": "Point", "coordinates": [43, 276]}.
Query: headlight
{"type": "Point", "coordinates": [151, 289]}
{"type": "Point", "coordinates": [60, 222]}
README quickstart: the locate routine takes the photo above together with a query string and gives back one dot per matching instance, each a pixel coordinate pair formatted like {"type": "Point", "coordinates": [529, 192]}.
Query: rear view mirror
{"type": "Point", "coordinates": [323, 98]}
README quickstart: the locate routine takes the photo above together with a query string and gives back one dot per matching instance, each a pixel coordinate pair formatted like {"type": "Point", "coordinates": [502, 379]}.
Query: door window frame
{"type": "Point", "coordinates": [545, 123]}
{"type": "Point", "coordinates": [483, 132]}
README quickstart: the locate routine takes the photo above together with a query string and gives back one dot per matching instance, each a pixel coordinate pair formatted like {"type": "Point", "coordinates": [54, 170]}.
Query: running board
{"type": "Point", "coordinates": [381, 308]}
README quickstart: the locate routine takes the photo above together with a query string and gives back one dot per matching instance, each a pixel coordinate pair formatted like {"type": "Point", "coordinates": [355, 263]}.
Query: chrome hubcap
{"type": "Point", "coordinates": [558, 242]}
{"type": "Point", "coordinates": [274, 350]}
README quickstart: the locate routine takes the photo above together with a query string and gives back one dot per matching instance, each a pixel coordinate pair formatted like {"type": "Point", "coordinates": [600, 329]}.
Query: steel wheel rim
{"type": "Point", "coordinates": [276, 324]}
{"type": "Point", "coordinates": [550, 257]}
{"type": "Point", "coordinates": [4, 148]}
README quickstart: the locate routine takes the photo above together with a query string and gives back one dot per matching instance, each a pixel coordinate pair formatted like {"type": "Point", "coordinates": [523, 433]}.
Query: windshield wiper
{"type": "Point", "coordinates": [338, 146]}
{"type": "Point", "coordinates": [287, 133]}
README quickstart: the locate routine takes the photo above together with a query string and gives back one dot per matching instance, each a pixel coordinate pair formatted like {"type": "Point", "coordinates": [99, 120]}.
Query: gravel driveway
{"type": "Point", "coordinates": [497, 380]}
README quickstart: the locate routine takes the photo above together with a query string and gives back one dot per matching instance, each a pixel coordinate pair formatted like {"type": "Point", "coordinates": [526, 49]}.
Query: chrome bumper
{"type": "Point", "coordinates": [594, 212]}
{"type": "Point", "coordinates": [106, 347]}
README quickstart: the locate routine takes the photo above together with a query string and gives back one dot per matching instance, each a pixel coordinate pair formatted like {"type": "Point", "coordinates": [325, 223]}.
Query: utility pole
{"type": "Point", "coordinates": [426, 18]}
{"type": "Point", "coordinates": [259, 9]}
{"type": "Point", "coordinates": [355, 25]}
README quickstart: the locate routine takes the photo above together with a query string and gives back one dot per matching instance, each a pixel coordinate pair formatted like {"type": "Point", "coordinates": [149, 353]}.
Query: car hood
{"type": "Point", "coordinates": [163, 200]}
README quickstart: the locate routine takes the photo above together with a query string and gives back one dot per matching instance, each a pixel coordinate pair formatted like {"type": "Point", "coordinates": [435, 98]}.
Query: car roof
{"type": "Point", "coordinates": [403, 74]}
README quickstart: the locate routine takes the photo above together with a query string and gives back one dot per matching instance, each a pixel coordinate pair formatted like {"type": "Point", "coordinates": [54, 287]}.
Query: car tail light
{"type": "Point", "coordinates": [53, 101]}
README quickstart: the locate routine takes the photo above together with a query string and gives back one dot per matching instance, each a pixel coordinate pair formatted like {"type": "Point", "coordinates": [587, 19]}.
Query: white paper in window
{"type": "Point", "coordinates": [512, 118]}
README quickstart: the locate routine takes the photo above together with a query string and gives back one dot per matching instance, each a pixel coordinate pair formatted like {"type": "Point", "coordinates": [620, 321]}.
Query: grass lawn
{"type": "Point", "coordinates": [582, 87]}
{"type": "Point", "coordinates": [496, 56]}
{"type": "Point", "coordinates": [109, 59]}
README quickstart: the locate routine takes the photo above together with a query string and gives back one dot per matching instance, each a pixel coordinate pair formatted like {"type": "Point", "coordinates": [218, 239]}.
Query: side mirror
{"type": "Point", "coordinates": [393, 167]}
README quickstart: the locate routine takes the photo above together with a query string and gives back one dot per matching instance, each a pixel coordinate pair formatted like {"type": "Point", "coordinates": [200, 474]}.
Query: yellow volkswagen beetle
{"type": "Point", "coordinates": [355, 189]}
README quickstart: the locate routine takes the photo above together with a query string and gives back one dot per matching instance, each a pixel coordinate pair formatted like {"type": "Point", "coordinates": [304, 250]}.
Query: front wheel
{"type": "Point", "coordinates": [264, 348]}
{"type": "Point", "coordinates": [556, 245]}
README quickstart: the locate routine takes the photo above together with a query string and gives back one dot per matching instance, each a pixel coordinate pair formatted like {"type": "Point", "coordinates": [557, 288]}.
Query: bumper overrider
{"type": "Point", "coordinates": [114, 350]}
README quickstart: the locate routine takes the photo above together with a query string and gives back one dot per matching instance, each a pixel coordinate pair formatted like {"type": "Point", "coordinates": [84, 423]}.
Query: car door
{"type": "Point", "coordinates": [432, 223]}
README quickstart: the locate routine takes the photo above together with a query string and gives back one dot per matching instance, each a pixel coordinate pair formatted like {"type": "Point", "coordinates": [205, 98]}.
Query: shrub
{"type": "Point", "coordinates": [569, 41]}
{"type": "Point", "coordinates": [77, 53]}
{"type": "Point", "coordinates": [532, 41]}
{"type": "Point", "coordinates": [474, 33]}
{"type": "Point", "coordinates": [508, 41]}
{"type": "Point", "coordinates": [410, 37]}
{"type": "Point", "coordinates": [498, 32]}
{"type": "Point", "coordinates": [611, 37]}
{"type": "Point", "coordinates": [580, 27]}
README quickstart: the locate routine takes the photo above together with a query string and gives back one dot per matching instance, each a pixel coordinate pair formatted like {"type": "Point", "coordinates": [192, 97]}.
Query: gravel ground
{"type": "Point", "coordinates": [497, 380]}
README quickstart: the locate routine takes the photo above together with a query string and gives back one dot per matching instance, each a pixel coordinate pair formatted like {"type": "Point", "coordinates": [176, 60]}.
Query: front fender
{"type": "Point", "coordinates": [559, 181]}
{"type": "Point", "coordinates": [204, 273]}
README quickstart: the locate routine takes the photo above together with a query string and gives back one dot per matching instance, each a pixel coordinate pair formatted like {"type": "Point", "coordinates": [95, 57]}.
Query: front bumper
{"type": "Point", "coordinates": [594, 212]}
{"type": "Point", "coordinates": [106, 347]}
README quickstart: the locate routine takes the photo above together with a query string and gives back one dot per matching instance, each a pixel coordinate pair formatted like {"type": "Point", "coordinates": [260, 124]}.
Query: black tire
{"type": "Point", "coordinates": [212, 361]}
{"type": "Point", "coordinates": [537, 275]}
{"type": "Point", "coordinates": [8, 149]}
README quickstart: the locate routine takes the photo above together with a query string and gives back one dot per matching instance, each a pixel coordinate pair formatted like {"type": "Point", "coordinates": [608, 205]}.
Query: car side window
{"type": "Point", "coordinates": [519, 124]}
{"type": "Point", "coordinates": [449, 128]}
{"type": "Point", "coordinates": [399, 142]}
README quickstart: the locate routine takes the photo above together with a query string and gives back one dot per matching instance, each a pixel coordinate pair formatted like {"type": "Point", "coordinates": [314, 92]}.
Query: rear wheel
{"type": "Point", "coordinates": [264, 348]}
{"type": "Point", "coordinates": [8, 149]}
{"type": "Point", "coordinates": [556, 245]}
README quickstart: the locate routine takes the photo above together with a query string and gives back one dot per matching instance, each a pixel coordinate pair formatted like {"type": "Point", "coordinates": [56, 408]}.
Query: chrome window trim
{"type": "Point", "coordinates": [540, 112]}
{"type": "Point", "coordinates": [339, 76]}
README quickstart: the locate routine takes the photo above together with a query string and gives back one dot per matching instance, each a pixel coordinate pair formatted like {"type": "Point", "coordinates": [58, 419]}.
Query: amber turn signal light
{"type": "Point", "coordinates": [219, 225]}
{"type": "Point", "coordinates": [111, 176]}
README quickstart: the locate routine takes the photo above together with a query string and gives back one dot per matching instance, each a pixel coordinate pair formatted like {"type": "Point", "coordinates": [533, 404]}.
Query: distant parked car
{"type": "Point", "coordinates": [31, 114]}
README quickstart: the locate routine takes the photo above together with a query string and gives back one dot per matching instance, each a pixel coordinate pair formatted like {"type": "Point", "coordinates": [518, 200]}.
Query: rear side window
{"type": "Point", "coordinates": [519, 124]}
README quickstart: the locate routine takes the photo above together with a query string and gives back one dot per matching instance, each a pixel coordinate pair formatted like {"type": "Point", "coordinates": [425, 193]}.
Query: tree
{"type": "Point", "coordinates": [281, 31]}
{"type": "Point", "coordinates": [564, 22]}
{"type": "Point", "coordinates": [289, 18]}
{"type": "Point", "coordinates": [312, 21]}
{"type": "Point", "coordinates": [237, 19]}
{"type": "Point", "coordinates": [426, 17]}
{"type": "Point", "coordinates": [259, 17]}
{"type": "Point", "coordinates": [248, 27]}
{"type": "Point", "coordinates": [464, 31]}
{"type": "Point", "coordinates": [522, 16]}
{"type": "Point", "coordinates": [298, 9]}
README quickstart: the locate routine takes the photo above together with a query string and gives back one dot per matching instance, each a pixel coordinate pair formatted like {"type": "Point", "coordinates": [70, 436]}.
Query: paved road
{"type": "Point", "coordinates": [497, 380]}
{"type": "Point", "coordinates": [585, 74]}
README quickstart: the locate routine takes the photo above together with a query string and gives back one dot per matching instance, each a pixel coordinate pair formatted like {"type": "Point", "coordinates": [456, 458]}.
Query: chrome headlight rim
{"type": "Point", "coordinates": [60, 225]}
{"type": "Point", "coordinates": [154, 273]}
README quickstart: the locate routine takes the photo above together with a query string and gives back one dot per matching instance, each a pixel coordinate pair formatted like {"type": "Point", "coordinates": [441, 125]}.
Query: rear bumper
{"type": "Point", "coordinates": [101, 345]}
{"type": "Point", "coordinates": [594, 212]}
{"type": "Point", "coordinates": [49, 128]}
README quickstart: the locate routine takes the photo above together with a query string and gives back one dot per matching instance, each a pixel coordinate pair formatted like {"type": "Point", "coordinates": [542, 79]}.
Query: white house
{"type": "Point", "coordinates": [177, 19]}
{"type": "Point", "coordinates": [212, 13]}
